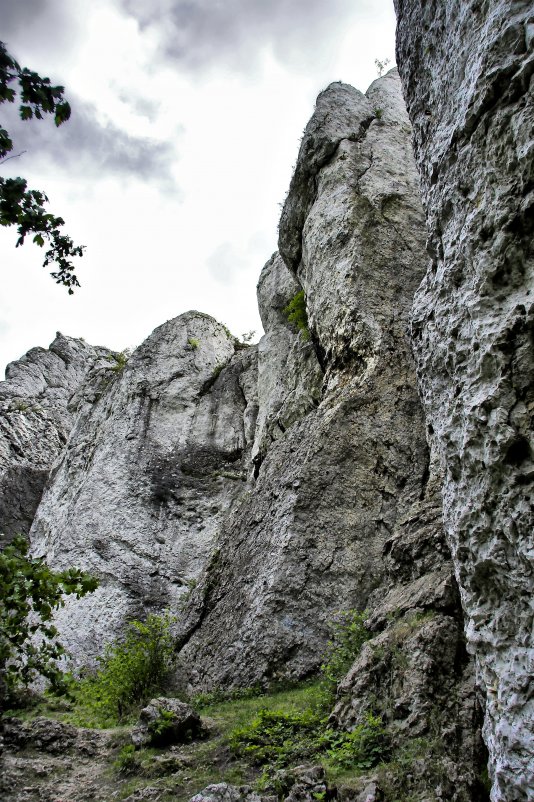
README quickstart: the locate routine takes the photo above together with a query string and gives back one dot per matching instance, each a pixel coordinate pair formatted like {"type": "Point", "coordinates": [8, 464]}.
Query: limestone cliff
{"type": "Point", "coordinates": [36, 417]}
{"type": "Point", "coordinates": [158, 452]}
{"type": "Point", "coordinates": [473, 319]}
{"type": "Point", "coordinates": [256, 491]}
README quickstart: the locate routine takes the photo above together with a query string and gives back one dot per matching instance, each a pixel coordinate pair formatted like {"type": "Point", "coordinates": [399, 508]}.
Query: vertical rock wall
{"type": "Point", "coordinates": [36, 416]}
{"type": "Point", "coordinates": [467, 70]}
{"type": "Point", "coordinates": [158, 453]}
{"type": "Point", "coordinates": [340, 454]}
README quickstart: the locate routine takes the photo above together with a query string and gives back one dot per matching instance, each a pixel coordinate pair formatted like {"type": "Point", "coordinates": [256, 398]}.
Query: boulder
{"type": "Point", "coordinates": [166, 721]}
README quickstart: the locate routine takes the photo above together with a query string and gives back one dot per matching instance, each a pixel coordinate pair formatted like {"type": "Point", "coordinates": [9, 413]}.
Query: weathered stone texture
{"type": "Point", "coordinates": [467, 71]}
{"type": "Point", "coordinates": [350, 460]}
{"type": "Point", "coordinates": [154, 461]}
{"type": "Point", "coordinates": [35, 422]}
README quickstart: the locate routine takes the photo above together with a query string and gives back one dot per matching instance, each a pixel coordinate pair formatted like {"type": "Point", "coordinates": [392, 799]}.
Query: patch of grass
{"type": "Point", "coordinates": [193, 343]}
{"type": "Point", "coordinates": [278, 739]}
{"type": "Point", "coordinates": [296, 314]}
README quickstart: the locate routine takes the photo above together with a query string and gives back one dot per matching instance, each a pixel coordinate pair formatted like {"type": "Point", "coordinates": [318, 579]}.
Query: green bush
{"type": "Point", "coordinates": [277, 738]}
{"type": "Point", "coordinates": [127, 761]}
{"type": "Point", "coordinates": [162, 724]}
{"type": "Point", "coordinates": [131, 672]}
{"type": "Point", "coordinates": [193, 342]}
{"type": "Point", "coordinates": [349, 633]}
{"type": "Point", "coordinates": [30, 592]}
{"type": "Point", "coordinates": [362, 748]}
{"type": "Point", "coordinates": [296, 314]}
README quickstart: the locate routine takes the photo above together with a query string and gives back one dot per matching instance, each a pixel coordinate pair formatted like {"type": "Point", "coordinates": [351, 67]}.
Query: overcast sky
{"type": "Point", "coordinates": [186, 122]}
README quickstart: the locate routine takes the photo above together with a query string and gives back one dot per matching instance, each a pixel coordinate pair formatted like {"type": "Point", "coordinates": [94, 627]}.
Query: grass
{"type": "Point", "coordinates": [255, 735]}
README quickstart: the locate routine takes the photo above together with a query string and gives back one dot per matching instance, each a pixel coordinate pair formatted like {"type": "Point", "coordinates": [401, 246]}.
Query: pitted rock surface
{"type": "Point", "coordinates": [156, 457]}
{"type": "Point", "coordinates": [467, 70]}
{"type": "Point", "coordinates": [35, 422]}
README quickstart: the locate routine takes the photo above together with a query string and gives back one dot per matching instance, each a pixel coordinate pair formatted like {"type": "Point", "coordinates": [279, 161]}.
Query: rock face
{"type": "Point", "coordinates": [473, 319]}
{"type": "Point", "coordinates": [340, 453]}
{"type": "Point", "coordinates": [35, 421]}
{"type": "Point", "coordinates": [256, 492]}
{"type": "Point", "coordinates": [157, 454]}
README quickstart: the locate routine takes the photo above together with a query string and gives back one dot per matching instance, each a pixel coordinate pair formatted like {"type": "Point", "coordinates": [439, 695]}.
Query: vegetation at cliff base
{"type": "Point", "coordinates": [131, 671]}
{"type": "Point", "coordinates": [30, 592]}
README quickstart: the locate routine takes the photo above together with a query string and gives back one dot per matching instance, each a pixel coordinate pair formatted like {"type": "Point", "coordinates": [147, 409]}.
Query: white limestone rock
{"type": "Point", "coordinates": [289, 375]}
{"type": "Point", "coordinates": [307, 537]}
{"type": "Point", "coordinates": [155, 459]}
{"type": "Point", "coordinates": [35, 420]}
{"type": "Point", "coordinates": [467, 70]}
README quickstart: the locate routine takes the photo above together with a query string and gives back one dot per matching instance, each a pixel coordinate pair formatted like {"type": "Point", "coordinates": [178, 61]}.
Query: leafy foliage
{"type": "Point", "coordinates": [131, 671]}
{"type": "Point", "coordinates": [362, 748]}
{"type": "Point", "coordinates": [127, 761]}
{"type": "Point", "coordinates": [296, 314]}
{"type": "Point", "coordinates": [381, 66]}
{"type": "Point", "coordinates": [348, 636]}
{"type": "Point", "coordinates": [120, 360]}
{"type": "Point", "coordinates": [277, 739]}
{"type": "Point", "coordinates": [160, 726]}
{"type": "Point", "coordinates": [29, 593]}
{"type": "Point", "coordinates": [20, 206]}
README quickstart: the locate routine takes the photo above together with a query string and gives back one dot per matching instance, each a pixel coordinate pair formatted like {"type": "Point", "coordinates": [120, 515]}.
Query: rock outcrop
{"type": "Point", "coordinates": [473, 321]}
{"type": "Point", "coordinates": [257, 491]}
{"type": "Point", "coordinates": [347, 456]}
{"type": "Point", "coordinates": [35, 421]}
{"type": "Point", "coordinates": [157, 455]}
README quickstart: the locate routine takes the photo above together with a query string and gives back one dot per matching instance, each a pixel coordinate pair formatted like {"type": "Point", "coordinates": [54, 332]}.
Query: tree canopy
{"type": "Point", "coordinates": [20, 206]}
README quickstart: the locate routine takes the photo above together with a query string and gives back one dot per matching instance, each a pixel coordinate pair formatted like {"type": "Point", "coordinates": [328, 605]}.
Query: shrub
{"type": "Point", "coordinates": [130, 673]}
{"type": "Point", "coordinates": [362, 748]}
{"type": "Point", "coordinates": [127, 761]}
{"type": "Point", "coordinates": [296, 314]}
{"type": "Point", "coordinates": [276, 739]}
{"type": "Point", "coordinates": [348, 636]}
{"type": "Point", "coordinates": [30, 592]}
{"type": "Point", "coordinates": [193, 342]}
{"type": "Point", "coordinates": [162, 724]}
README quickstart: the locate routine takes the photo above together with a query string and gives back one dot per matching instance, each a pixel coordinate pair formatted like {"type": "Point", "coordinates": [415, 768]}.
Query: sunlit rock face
{"type": "Point", "coordinates": [155, 459]}
{"type": "Point", "coordinates": [467, 75]}
{"type": "Point", "coordinates": [36, 417]}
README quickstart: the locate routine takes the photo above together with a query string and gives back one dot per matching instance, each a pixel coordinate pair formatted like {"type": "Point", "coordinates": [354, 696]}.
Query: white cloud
{"type": "Point", "coordinates": [225, 134]}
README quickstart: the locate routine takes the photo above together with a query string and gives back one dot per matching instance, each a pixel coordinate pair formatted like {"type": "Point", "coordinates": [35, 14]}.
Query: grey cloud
{"type": "Point", "coordinates": [83, 145]}
{"type": "Point", "coordinates": [204, 33]}
{"type": "Point", "coordinates": [32, 28]}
